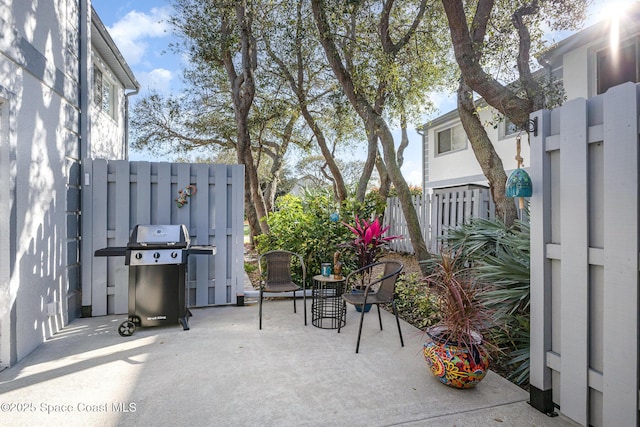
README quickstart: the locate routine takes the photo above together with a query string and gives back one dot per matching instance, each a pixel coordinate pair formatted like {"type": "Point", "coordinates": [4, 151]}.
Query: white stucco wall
{"type": "Point", "coordinates": [107, 133]}
{"type": "Point", "coordinates": [38, 145]}
{"type": "Point", "coordinates": [575, 72]}
{"type": "Point", "coordinates": [577, 60]}
{"type": "Point", "coordinates": [462, 167]}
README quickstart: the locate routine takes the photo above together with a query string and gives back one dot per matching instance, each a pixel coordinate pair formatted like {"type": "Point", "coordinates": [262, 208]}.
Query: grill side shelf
{"type": "Point", "coordinates": [112, 251]}
{"type": "Point", "coordinates": [202, 250]}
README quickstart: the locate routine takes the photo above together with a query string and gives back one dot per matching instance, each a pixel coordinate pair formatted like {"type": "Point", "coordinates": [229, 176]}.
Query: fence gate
{"type": "Point", "coordinates": [584, 259]}
{"type": "Point", "coordinates": [120, 194]}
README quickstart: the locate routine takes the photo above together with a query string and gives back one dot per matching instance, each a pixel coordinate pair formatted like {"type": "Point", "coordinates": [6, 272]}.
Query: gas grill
{"type": "Point", "coordinates": [157, 258]}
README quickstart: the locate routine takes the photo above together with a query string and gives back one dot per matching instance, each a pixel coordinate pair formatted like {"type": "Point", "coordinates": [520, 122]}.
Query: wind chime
{"type": "Point", "coordinates": [519, 182]}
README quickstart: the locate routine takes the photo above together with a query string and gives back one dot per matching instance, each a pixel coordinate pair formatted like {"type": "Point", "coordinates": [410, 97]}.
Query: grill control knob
{"type": "Point", "coordinates": [156, 255]}
{"type": "Point", "coordinates": [174, 254]}
{"type": "Point", "coordinates": [138, 255]}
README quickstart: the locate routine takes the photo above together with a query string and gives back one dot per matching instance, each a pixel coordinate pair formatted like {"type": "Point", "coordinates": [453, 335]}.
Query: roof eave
{"type": "Point", "coordinates": [102, 42]}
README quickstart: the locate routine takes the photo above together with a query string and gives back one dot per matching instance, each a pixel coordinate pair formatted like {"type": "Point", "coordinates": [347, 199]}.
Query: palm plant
{"type": "Point", "coordinates": [500, 256]}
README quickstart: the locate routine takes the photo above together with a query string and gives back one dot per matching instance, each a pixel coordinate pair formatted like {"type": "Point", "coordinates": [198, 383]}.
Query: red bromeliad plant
{"type": "Point", "coordinates": [369, 240]}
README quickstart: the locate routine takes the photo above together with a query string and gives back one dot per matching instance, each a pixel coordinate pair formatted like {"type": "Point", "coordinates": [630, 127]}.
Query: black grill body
{"type": "Point", "coordinates": [157, 258]}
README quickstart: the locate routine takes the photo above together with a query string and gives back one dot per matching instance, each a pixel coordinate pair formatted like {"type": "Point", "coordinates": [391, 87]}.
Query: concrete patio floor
{"type": "Point", "coordinates": [226, 372]}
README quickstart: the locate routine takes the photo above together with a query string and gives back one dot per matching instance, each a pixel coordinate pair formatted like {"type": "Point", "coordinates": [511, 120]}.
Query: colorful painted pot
{"type": "Point", "coordinates": [454, 365]}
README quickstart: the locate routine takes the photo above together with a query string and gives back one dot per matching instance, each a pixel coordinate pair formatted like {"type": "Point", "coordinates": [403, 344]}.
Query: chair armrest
{"type": "Point", "coordinates": [374, 281]}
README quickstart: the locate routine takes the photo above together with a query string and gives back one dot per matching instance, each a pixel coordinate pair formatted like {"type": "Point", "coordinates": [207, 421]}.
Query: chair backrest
{"type": "Point", "coordinates": [392, 270]}
{"type": "Point", "coordinates": [277, 267]}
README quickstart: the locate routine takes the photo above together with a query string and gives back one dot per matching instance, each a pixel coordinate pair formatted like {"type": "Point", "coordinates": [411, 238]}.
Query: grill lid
{"type": "Point", "coordinates": [157, 236]}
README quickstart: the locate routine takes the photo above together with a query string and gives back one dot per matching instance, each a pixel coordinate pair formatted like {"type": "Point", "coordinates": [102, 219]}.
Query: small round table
{"type": "Point", "coordinates": [327, 308]}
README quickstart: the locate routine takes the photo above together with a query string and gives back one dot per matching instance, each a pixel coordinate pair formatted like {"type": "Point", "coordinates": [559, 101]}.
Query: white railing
{"type": "Point", "coordinates": [437, 213]}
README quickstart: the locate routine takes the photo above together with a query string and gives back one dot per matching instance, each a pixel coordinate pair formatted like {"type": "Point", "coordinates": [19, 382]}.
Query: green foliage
{"type": "Point", "coordinates": [303, 225]}
{"type": "Point", "coordinates": [415, 302]}
{"type": "Point", "coordinates": [415, 190]}
{"type": "Point", "coordinates": [250, 267]}
{"type": "Point", "coordinates": [500, 257]}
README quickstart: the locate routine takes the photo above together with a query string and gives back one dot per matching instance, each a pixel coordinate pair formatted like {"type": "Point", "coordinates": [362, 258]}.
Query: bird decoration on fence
{"type": "Point", "coordinates": [519, 182]}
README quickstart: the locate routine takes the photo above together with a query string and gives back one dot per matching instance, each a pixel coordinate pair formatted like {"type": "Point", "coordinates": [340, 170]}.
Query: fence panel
{"type": "Point", "coordinates": [120, 194]}
{"type": "Point", "coordinates": [437, 213]}
{"type": "Point", "coordinates": [584, 259]}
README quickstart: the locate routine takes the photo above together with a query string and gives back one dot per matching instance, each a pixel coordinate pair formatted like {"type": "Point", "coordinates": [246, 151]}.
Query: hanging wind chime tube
{"type": "Point", "coordinates": [519, 182]}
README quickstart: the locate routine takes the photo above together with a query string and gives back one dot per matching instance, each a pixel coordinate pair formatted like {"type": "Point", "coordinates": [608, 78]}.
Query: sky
{"type": "Point", "coordinates": [141, 32]}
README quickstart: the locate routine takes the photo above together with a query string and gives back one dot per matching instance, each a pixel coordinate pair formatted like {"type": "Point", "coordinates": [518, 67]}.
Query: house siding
{"type": "Point", "coordinates": [462, 167]}
{"type": "Point", "coordinates": [39, 87]}
{"type": "Point", "coordinates": [41, 123]}
{"type": "Point", "coordinates": [573, 59]}
{"type": "Point", "coordinates": [107, 133]}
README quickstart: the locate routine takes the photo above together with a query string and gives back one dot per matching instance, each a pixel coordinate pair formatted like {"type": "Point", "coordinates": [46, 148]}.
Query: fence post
{"type": "Point", "coordinates": [574, 267]}
{"type": "Point", "coordinates": [87, 236]}
{"type": "Point", "coordinates": [540, 289]}
{"type": "Point", "coordinates": [620, 299]}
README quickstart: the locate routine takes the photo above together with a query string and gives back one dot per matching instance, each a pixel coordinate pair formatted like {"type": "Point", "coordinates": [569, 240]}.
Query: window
{"type": "Point", "coordinates": [617, 66]}
{"type": "Point", "coordinates": [103, 93]}
{"type": "Point", "coordinates": [508, 128]}
{"type": "Point", "coordinates": [452, 139]}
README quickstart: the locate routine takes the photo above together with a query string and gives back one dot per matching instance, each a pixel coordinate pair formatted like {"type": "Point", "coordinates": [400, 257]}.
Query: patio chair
{"type": "Point", "coordinates": [379, 289]}
{"type": "Point", "coordinates": [275, 271]}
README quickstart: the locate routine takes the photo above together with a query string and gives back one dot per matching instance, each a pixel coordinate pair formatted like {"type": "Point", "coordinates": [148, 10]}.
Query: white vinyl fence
{"type": "Point", "coordinates": [117, 195]}
{"type": "Point", "coordinates": [584, 259]}
{"type": "Point", "coordinates": [437, 213]}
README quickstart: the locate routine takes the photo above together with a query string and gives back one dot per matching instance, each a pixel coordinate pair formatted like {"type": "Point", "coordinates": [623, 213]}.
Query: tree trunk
{"type": "Point", "coordinates": [250, 212]}
{"type": "Point", "coordinates": [338, 181]}
{"type": "Point", "coordinates": [486, 155]}
{"type": "Point", "coordinates": [467, 55]}
{"type": "Point", "coordinates": [385, 181]}
{"type": "Point", "coordinates": [404, 194]}
{"type": "Point", "coordinates": [369, 164]}
{"type": "Point", "coordinates": [368, 114]}
{"type": "Point", "coordinates": [243, 92]}
{"type": "Point", "coordinates": [277, 157]}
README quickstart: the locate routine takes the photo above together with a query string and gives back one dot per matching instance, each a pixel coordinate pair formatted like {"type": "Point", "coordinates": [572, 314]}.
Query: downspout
{"type": "Point", "coordinates": [425, 152]}
{"type": "Point", "coordinates": [85, 79]}
{"type": "Point", "coordinates": [126, 119]}
{"type": "Point", "coordinates": [84, 153]}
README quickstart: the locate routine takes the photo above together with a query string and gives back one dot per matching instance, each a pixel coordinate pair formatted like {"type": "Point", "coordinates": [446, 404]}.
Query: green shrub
{"type": "Point", "coordinates": [416, 304]}
{"type": "Point", "coordinates": [304, 225]}
{"type": "Point", "coordinates": [250, 267]}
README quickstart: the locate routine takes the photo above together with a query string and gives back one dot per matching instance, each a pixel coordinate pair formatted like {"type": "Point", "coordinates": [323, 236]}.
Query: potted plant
{"type": "Point", "coordinates": [368, 244]}
{"type": "Point", "coordinates": [454, 350]}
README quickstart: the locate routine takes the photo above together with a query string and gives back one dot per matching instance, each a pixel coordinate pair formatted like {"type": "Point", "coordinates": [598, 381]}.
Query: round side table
{"type": "Point", "coordinates": [327, 308]}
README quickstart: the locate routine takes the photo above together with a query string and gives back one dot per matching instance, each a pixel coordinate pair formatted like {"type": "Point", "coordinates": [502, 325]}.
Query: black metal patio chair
{"type": "Point", "coordinates": [378, 289]}
{"type": "Point", "coordinates": [275, 271]}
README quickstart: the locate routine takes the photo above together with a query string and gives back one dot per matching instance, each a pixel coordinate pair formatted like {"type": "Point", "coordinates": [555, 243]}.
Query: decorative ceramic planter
{"type": "Point", "coordinates": [452, 364]}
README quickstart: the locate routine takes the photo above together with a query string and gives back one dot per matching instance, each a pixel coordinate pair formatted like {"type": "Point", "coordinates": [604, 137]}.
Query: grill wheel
{"type": "Point", "coordinates": [126, 328]}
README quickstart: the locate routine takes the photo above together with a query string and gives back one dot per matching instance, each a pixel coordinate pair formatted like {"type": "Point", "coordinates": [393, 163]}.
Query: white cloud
{"type": "Point", "coordinates": [135, 28]}
{"type": "Point", "coordinates": [158, 80]}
